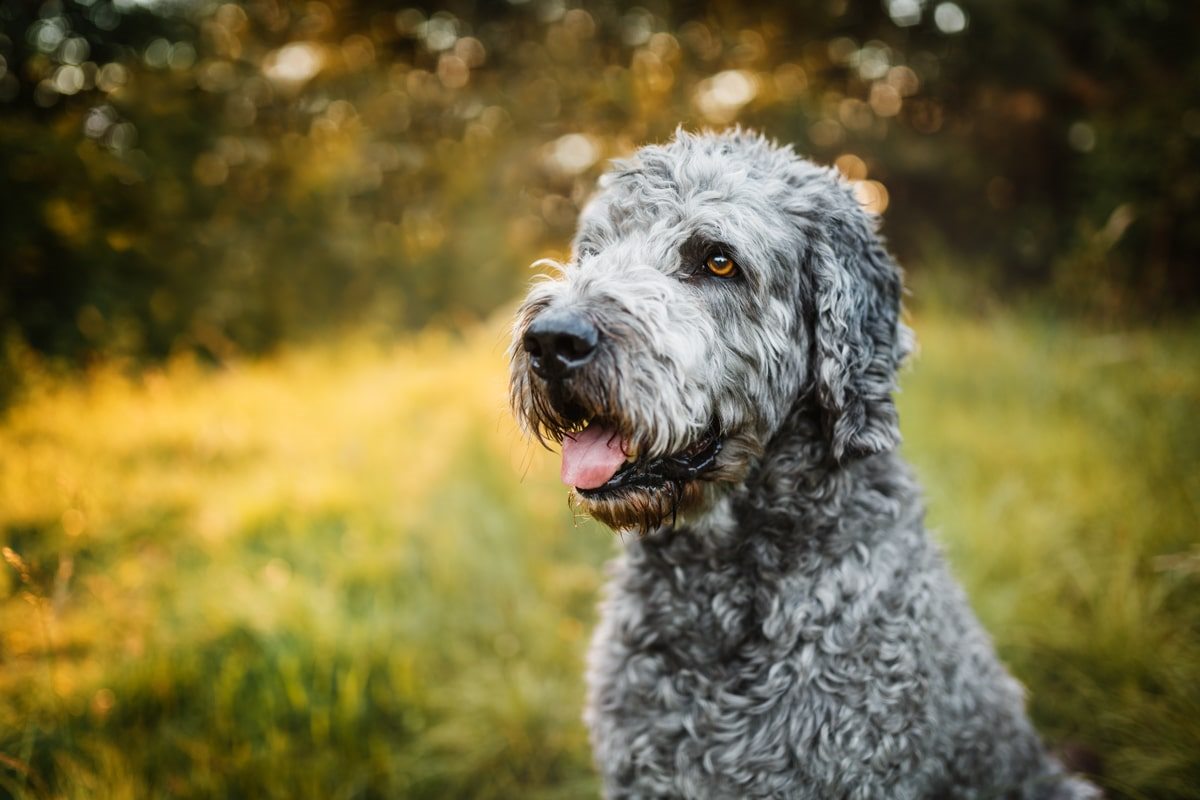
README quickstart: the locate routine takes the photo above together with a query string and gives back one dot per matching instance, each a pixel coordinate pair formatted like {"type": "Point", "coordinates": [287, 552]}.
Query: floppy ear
{"type": "Point", "coordinates": [859, 340]}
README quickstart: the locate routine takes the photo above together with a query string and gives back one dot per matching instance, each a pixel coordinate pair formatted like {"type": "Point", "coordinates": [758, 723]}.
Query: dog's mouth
{"type": "Point", "coordinates": [600, 463]}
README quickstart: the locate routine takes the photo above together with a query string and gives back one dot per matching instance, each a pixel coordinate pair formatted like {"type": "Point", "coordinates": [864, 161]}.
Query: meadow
{"type": "Point", "coordinates": [337, 572]}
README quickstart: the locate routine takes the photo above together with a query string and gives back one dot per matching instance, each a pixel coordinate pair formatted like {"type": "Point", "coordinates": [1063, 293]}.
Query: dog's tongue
{"type": "Point", "coordinates": [591, 457]}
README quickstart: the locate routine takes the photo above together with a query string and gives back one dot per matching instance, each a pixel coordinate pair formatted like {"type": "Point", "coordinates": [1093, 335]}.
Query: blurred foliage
{"type": "Point", "coordinates": [223, 177]}
{"type": "Point", "coordinates": [337, 573]}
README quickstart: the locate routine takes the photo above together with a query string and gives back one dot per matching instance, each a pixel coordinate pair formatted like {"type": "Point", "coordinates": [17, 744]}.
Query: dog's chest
{"type": "Point", "coordinates": [743, 671]}
{"type": "Point", "coordinates": [674, 681]}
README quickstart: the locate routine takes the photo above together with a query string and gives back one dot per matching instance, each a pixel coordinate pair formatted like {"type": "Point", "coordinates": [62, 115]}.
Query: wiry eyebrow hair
{"type": "Point", "coordinates": [695, 249]}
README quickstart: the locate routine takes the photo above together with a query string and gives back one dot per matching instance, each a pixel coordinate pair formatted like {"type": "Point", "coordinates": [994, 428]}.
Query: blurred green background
{"type": "Point", "coordinates": [267, 528]}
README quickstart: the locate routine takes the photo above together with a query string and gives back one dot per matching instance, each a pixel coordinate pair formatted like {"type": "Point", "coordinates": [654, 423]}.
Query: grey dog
{"type": "Point", "coordinates": [717, 361]}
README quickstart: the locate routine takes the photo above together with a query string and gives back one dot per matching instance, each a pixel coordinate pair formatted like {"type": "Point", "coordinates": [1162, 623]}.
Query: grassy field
{"type": "Point", "coordinates": [339, 574]}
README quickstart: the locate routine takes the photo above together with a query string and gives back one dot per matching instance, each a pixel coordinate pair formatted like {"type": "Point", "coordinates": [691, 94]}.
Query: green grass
{"type": "Point", "coordinates": [339, 574]}
{"type": "Point", "coordinates": [1063, 475]}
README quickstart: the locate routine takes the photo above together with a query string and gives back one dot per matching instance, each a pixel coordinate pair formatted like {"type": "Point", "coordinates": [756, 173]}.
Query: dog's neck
{"type": "Point", "coordinates": [713, 581]}
{"type": "Point", "coordinates": [792, 501]}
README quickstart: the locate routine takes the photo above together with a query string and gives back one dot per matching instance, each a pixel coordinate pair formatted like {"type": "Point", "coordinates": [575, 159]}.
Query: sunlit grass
{"type": "Point", "coordinates": [338, 573]}
{"type": "Point", "coordinates": [1063, 475]}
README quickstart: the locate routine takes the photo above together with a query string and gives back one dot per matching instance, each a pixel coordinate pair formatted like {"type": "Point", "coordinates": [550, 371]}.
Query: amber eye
{"type": "Point", "coordinates": [721, 266]}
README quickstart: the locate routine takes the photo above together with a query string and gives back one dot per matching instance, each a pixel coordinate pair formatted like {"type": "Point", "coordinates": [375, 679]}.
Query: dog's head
{"type": "Point", "coordinates": [716, 284]}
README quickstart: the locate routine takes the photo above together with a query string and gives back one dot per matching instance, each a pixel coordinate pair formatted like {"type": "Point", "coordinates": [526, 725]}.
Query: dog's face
{"type": "Point", "coordinates": [704, 300]}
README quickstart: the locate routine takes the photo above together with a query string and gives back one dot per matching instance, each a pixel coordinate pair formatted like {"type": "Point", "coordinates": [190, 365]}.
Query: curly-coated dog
{"type": "Point", "coordinates": [717, 361]}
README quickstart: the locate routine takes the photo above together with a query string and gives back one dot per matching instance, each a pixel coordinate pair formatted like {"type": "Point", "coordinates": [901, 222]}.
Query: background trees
{"type": "Point", "coordinates": [223, 177]}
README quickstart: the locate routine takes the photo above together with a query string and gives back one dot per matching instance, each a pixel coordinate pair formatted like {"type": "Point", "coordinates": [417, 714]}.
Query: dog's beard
{"type": "Point", "coordinates": [643, 509]}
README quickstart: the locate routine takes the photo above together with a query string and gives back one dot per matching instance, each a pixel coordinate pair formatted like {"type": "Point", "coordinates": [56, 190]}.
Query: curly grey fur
{"type": "Point", "coordinates": [797, 634]}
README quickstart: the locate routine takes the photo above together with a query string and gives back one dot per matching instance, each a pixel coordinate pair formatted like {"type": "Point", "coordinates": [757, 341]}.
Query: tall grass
{"type": "Point", "coordinates": [1063, 474]}
{"type": "Point", "coordinates": [338, 573]}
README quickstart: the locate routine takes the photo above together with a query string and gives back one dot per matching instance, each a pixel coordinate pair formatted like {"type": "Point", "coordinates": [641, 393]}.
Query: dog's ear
{"type": "Point", "coordinates": [858, 339]}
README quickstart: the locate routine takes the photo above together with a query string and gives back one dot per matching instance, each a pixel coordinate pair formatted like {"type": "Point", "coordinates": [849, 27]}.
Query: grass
{"type": "Point", "coordinates": [339, 574]}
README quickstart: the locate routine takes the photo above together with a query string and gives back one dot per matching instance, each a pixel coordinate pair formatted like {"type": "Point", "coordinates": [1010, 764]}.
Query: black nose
{"type": "Point", "coordinates": [560, 342]}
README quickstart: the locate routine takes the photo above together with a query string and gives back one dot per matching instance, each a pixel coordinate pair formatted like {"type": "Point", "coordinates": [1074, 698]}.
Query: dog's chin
{"type": "Point", "coordinates": [642, 508]}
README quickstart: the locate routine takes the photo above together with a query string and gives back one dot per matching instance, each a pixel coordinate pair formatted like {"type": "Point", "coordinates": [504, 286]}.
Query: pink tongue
{"type": "Point", "coordinates": [591, 457]}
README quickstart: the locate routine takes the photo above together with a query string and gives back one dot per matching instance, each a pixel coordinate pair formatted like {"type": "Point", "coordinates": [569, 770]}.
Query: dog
{"type": "Point", "coordinates": [717, 361]}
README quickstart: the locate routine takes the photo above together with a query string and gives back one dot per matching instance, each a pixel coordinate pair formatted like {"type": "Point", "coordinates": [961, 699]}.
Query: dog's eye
{"type": "Point", "coordinates": [721, 266]}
